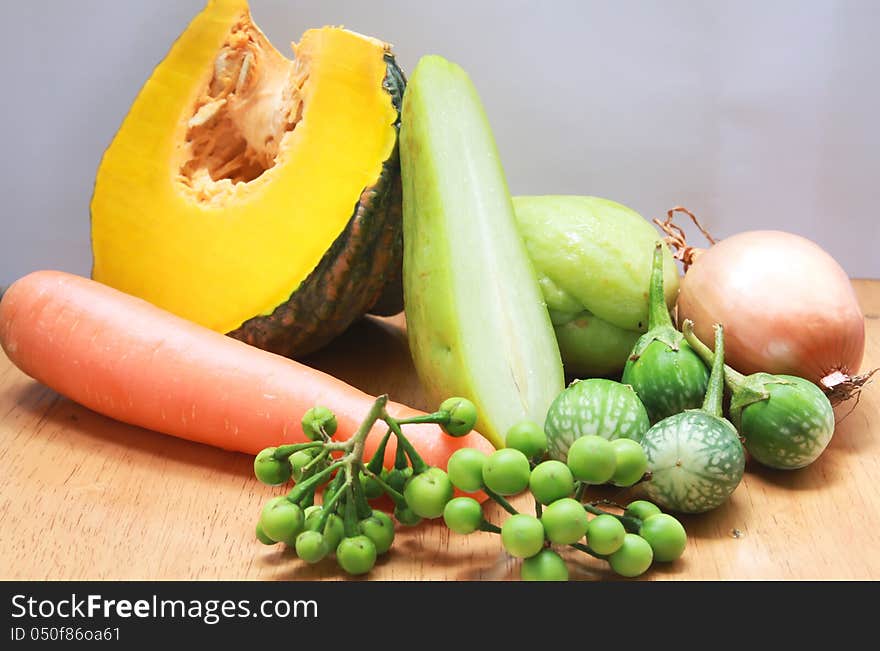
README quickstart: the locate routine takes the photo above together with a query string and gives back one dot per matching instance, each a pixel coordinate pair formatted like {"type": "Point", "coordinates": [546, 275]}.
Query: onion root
{"type": "Point", "coordinates": [676, 238]}
{"type": "Point", "coordinates": [839, 386]}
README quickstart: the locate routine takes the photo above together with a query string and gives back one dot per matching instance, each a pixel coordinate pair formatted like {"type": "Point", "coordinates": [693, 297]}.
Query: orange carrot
{"type": "Point", "coordinates": [131, 361]}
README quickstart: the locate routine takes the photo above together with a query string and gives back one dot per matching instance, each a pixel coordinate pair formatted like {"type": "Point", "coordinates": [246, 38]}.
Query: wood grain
{"type": "Point", "coordinates": [85, 497]}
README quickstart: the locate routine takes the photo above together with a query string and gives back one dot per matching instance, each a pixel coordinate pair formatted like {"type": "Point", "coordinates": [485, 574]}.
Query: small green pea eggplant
{"type": "Point", "coordinates": [695, 458]}
{"type": "Point", "coordinates": [667, 375]}
{"type": "Point", "coordinates": [785, 421]}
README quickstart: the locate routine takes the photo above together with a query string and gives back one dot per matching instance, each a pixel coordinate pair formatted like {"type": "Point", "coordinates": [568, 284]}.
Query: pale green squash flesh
{"type": "Point", "coordinates": [476, 320]}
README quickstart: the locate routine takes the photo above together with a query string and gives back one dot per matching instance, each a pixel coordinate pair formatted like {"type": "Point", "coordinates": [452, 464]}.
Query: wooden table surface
{"type": "Point", "coordinates": [85, 497]}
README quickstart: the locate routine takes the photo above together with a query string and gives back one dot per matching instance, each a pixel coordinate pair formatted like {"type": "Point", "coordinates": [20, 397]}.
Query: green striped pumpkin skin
{"type": "Point", "coordinates": [791, 428]}
{"type": "Point", "coordinates": [594, 407]}
{"type": "Point", "coordinates": [667, 381]}
{"type": "Point", "coordinates": [696, 461]}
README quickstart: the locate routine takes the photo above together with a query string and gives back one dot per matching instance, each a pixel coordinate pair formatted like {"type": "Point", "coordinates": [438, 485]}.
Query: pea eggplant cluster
{"type": "Point", "coordinates": [629, 542]}
{"type": "Point", "coordinates": [345, 524]}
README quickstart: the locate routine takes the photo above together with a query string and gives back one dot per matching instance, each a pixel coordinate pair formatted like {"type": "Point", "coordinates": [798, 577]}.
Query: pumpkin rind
{"type": "Point", "coordinates": [353, 276]}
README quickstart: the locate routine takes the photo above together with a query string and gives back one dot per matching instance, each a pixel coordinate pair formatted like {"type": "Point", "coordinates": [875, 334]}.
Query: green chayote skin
{"type": "Point", "coordinates": [666, 373]}
{"type": "Point", "coordinates": [597, 407]}
{"type": "Point", "coordinates": [787, 424]}
{"type": "Point", "coordinates": [592, 257]}
{"type": "Point", "coordinates": [591, 346]}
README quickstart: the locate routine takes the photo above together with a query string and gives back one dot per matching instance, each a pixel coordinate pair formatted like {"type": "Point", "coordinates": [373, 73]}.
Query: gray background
{"type": "Point", "coordinates": [753, 114]}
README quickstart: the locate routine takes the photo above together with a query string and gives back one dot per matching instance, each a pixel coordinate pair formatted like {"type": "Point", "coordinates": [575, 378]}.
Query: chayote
{"type": "Point", "coordinates": [592, 257]}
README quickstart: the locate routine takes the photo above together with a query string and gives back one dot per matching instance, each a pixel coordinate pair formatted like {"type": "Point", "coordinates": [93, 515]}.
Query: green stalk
{"type": "Point", "coordinates": [400, 460]}
{"type": "Point", "coordinates": [584, 548]}
{"type": "Point", "coordinates": [485, 525]}
{"type": "Point", "coordinates": [314, 462]}
{"type": "Point", "coordinates": [330, 503]}
{"type": "Point", "coordinates": [632, 525]}
{"type": "Point", "coordinates": [350, 519]}
{"type": "Point", "coordinates": [715, 391]}
{"type": "Point", "coordinates": [438, 418]}
{"type": "Point", "coordinates": [507, 506]}
{"type": "Point", "coordinates": [595, 510]}
{"type": "Point", "coordinates": [308, 499]}
{"type": "Point", "coordinates": [299, 491]}
{"type": "Point", "coordinates": [658, 312]}
{"type": "Point", "coordinates": [356, 443]}
{"type": "Point", "coordinates": [375, 464]}
{"type": "Point", "coordinates": [333, 489]}
{"type": "Point", "coordinates": [362, 506]}
{"type": "Point", "coordinates": [285, 451]}
{"type": "Point", "coordinates": [418, 464]}
{"type": "Point", "coordinates": [396, 497]}
{"type": "Point", "coordinates": [734, 378]}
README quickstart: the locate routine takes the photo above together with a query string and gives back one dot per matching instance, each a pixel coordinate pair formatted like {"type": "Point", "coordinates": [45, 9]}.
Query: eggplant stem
{"type": "Point", "coordinates": [658, 312]}
{"type": "Point", "coordinates": [715, 391]}
{"type": "Point", "coordinates": [734, 378]}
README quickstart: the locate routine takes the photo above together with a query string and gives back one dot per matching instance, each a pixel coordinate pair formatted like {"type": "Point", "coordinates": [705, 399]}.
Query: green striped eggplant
{"type": "Point", "coordinates": [667, 375]}
{"type": "Point", "coordinates": [695, 458]}
{"type": "Point", "coordinates": [785, 421]}
{"type": "Point", "coordinates": [597, 407]}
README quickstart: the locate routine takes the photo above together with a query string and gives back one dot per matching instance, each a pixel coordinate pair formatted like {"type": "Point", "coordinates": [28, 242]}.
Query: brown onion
{"type": "Point", "coordinates": [787, 308]}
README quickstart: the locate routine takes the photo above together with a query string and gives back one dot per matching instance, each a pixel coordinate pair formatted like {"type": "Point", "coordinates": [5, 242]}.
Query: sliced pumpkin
{"type": "Point", "coordinates": [254, 194]}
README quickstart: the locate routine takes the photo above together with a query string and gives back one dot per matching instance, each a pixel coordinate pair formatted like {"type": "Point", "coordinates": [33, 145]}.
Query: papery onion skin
{"type": "Point", "coordinates": [787, 306]}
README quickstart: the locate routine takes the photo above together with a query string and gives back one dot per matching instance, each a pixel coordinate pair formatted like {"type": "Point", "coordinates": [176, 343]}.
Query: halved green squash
{"type": "Point", "coordinates": [256, 195]}
{"type": "Point", "coordinates": [477, 324]}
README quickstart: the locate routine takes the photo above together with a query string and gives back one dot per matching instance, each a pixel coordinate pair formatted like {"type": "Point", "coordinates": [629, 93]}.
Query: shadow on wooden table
{"type": "Point", "coordinates": [804, 479]}
{"type": "Point", "coordinates": [373, 355]}
{"type": "Point", "coordinates": [851, 418]}
{"type": "Point", "coordinates": [425, 546]}
{"type": "Point", "coordinates": [88, 429]}
{"type": "Point", "coordinates": [828, 469]}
